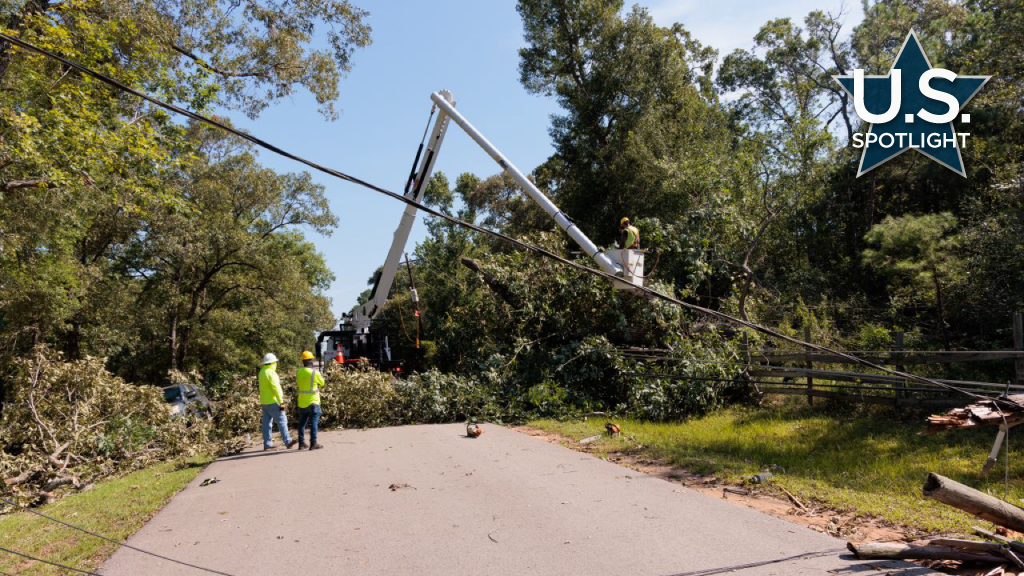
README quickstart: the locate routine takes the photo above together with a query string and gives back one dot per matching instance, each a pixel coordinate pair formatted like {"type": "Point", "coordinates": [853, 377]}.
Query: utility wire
{"type": "Point", "coordinates": [710, 571]}
{"type": "Point", "coordinates": [70, 568]}
{"type": "Point", "coordinates": [648, 292]}
{"type": "Point", "coordinates": [111, 540]}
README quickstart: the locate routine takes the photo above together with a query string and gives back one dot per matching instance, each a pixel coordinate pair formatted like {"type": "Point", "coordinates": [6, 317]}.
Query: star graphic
{"type": "Point", "coordinates": [913, 63]}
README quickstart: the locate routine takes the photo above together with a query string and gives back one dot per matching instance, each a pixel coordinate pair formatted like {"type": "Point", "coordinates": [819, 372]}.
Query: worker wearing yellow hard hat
{"type": "Point", "coordinates": [309, 381]}
{"type": "Point", "coordinates": [630, 236]}
{"type": "Point", "coordinates": [272, 399]}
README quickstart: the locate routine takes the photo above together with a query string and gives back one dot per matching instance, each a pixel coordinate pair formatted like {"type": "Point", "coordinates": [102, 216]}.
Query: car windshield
{"type": "Point", "coordinates": [172, 394]}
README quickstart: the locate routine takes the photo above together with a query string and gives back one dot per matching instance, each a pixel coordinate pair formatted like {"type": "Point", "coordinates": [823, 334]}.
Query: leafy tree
{"type": "Point", "coordinates": [96, 185]}
{"type": "Point", "coordinates": [641, 134]}
{"type": "Point", "coordinates": [920, 254]}
{"type": "Point", "coordinates": [227, 263]}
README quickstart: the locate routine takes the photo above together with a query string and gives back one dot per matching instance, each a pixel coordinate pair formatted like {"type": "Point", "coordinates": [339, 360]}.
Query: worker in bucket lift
{"type": "Point", "coordinates": [629, 238]}
{"type": "Point", "coordinates": [272, 399]}
{"type": "Point", "coordinates": [309, 381]}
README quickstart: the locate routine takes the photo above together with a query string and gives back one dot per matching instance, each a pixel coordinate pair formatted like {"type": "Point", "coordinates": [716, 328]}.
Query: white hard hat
{"type": "Point", "coordinates": [269, 358]}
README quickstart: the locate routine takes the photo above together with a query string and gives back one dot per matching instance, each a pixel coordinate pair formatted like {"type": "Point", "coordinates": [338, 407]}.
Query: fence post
{"type": "Point", "coordinates": [900, 367]}
{"type": "Point", "coordinates": [809, 365]}
{"type": "Point", "coordinates": [1018, 345]}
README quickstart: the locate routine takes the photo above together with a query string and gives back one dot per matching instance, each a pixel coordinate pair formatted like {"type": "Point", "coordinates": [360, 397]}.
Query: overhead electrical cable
{"type": "Point", "coordinates": [524, 245]}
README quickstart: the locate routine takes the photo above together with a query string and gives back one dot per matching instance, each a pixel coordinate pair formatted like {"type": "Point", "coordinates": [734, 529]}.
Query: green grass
{"type": "Point", "coordinates": [846, 459]}
{"type": "Point", "coordinates": [115, 508]}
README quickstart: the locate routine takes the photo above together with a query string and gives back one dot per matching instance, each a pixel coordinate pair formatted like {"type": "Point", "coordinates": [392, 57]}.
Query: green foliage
{"type": "Point", "coordinates": [919, 254]}
{"type": "Point", "coordinates": [127, 235]}
{"type": "Point", "coordinates": [359, 398]}
{"type": "Point", "coordinates": [703, 377]}
{"type": "Point", "coordinates": [640, 129]}
{"type": "Point", "coordinates": [434, 397]}
{"type": "Point", "coordinates": [67, 424]}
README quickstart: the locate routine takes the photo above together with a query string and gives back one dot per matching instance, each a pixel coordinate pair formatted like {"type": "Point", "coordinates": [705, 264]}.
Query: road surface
{"type": "Point", "coordinates": [426, 500]}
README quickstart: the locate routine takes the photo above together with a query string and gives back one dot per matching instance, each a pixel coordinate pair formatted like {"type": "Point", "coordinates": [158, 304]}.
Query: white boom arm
{"type": "Point", "coordinates": [532, 191]}
{"type": "Point", "coordinates": [361, 318]}
{"type": "Point", "coordinates": [445, 103]}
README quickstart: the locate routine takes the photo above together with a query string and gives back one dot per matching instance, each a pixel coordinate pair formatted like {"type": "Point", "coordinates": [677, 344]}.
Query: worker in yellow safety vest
{"type": "Point", "coordinates": [630, 236]}
{"type": "Point", "coordinates": [309, 381]}
{"type": "Point", "coordinates": [272, 399]}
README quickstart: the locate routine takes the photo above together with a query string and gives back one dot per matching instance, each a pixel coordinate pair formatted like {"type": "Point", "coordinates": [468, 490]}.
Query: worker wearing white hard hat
{"type": "Point", "coordinates": [272, 399]}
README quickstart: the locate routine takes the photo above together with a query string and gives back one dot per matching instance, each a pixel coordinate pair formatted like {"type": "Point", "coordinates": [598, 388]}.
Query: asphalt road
{"type": "Point", "coordinates": [425, 500]}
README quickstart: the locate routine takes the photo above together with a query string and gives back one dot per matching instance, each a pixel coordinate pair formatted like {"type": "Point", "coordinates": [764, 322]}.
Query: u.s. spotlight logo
{"type": "Point", "coordinates": [912, 107]}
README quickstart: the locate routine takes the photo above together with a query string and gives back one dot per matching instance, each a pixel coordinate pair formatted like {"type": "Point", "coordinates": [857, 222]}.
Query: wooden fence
{"type": "Point", "coordinates": [794, 373]}
{"type": "Point", "coordinates": [813, 374]}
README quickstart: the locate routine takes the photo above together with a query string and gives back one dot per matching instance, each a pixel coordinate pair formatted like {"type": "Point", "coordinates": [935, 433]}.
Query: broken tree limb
{"type": "Point", "coordinates": [901, 551]}
{"type": "Point", "coordinates": [974, 502]}
{"type": "Point", "coordinates": [492, 281]}
{"type": "Point", "coordinates": [793, 499]}
{"type": "Point", "coordinates": [23, 477]}
{"type": "Point", "coordinates": [1017, 547]}
{"type": "Point", "coordinates": [975, 545]}
{"type": "Point", "coordinates": [61, 481]}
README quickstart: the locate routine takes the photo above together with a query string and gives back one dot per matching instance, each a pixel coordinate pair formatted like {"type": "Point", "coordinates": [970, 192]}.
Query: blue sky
{"type": "Point", "coordinates": [471, 48]}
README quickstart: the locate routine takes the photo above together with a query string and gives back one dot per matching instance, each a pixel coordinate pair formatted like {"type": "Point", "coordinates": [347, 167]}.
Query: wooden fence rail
{"type": "Point", "coordinates": [871, 388]}
{"type": "Point", "coordinates": [792, 372]}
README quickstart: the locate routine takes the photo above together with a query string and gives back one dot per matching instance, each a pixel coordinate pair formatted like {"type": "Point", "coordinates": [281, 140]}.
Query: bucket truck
{"type": "Point", "coordinates": [359, 339]}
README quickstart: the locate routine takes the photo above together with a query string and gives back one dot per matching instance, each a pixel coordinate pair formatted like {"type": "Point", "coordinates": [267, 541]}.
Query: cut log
{"type": "Point", "coordinates": [901, 551]}
{"type": "Point", "coordinates": [974, 502]}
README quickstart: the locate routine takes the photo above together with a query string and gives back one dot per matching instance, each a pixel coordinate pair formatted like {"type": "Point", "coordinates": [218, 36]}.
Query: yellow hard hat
{"type": "Point", "coordinates": [307, 355]}
{"type": "Point", "coordinates": [624, 221]}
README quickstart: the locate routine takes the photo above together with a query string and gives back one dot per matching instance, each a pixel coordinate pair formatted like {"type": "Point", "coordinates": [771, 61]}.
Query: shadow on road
{"type": "Point", "coordinates": [257, 454]}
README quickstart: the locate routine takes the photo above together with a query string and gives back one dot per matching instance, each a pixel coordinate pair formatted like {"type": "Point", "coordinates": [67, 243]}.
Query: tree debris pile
{"type": "Point", "coordinates": [67, 424]}
{"type": "Point", "coordinates": [983, 413]}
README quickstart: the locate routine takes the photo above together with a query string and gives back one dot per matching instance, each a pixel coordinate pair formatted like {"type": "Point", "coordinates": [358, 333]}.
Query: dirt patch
{"type": "Point", "coordinates": [845, 525]}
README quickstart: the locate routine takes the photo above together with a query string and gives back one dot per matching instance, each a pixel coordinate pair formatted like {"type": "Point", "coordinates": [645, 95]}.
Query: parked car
{"type": "Point", "coordinates": [186, 399]}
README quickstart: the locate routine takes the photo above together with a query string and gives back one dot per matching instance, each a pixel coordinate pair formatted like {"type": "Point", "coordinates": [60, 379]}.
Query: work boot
{"type": "Point", "coordinates": [292, 443]}
{"type": "Point", "coordinates": [302, 446]}
{"type": "Point", "coordinates": [316, 447]}
{"type": "Point", "coordinates": [270, 449]}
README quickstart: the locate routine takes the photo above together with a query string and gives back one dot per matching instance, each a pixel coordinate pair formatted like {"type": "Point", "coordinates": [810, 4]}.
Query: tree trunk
{"type": "Point", "coordinates": [173, 356]}
{"type": "Point", "coordinates": [974, 502]}
{"type": "Point", "coordinates": [941, 310]}
{"type": "Point", "coordinates": [900, 551]}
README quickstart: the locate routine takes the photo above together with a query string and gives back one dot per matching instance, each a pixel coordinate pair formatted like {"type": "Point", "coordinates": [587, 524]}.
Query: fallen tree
{"type": "Point", "coordinates": [68, 424]}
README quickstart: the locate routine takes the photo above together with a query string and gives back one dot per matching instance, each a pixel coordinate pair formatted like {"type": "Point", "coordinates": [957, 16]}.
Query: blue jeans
{"type": "Point", "coordinates": [309, 414]}
{"type": "Point", "coordinates": [273, 412]}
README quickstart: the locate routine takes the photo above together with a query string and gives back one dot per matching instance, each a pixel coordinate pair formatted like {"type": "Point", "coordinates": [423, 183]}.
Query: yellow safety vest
{"type": "Point", "coordinates": [309, 383]}
{"type": "Point", "coordinates": [632, 237]}
{"type": "Point", "coordinates": [270, 385]}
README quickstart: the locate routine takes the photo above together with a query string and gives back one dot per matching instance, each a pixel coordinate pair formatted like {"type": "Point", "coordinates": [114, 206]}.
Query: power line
{"type": "Point", "coordinates": [33, 558]}
{"type": "Point", "coordinates": [111, 540]}
{"type": "Point", "coordinates": [650, 293]}
{"type": "Point", "coordinates": [710, 571]}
